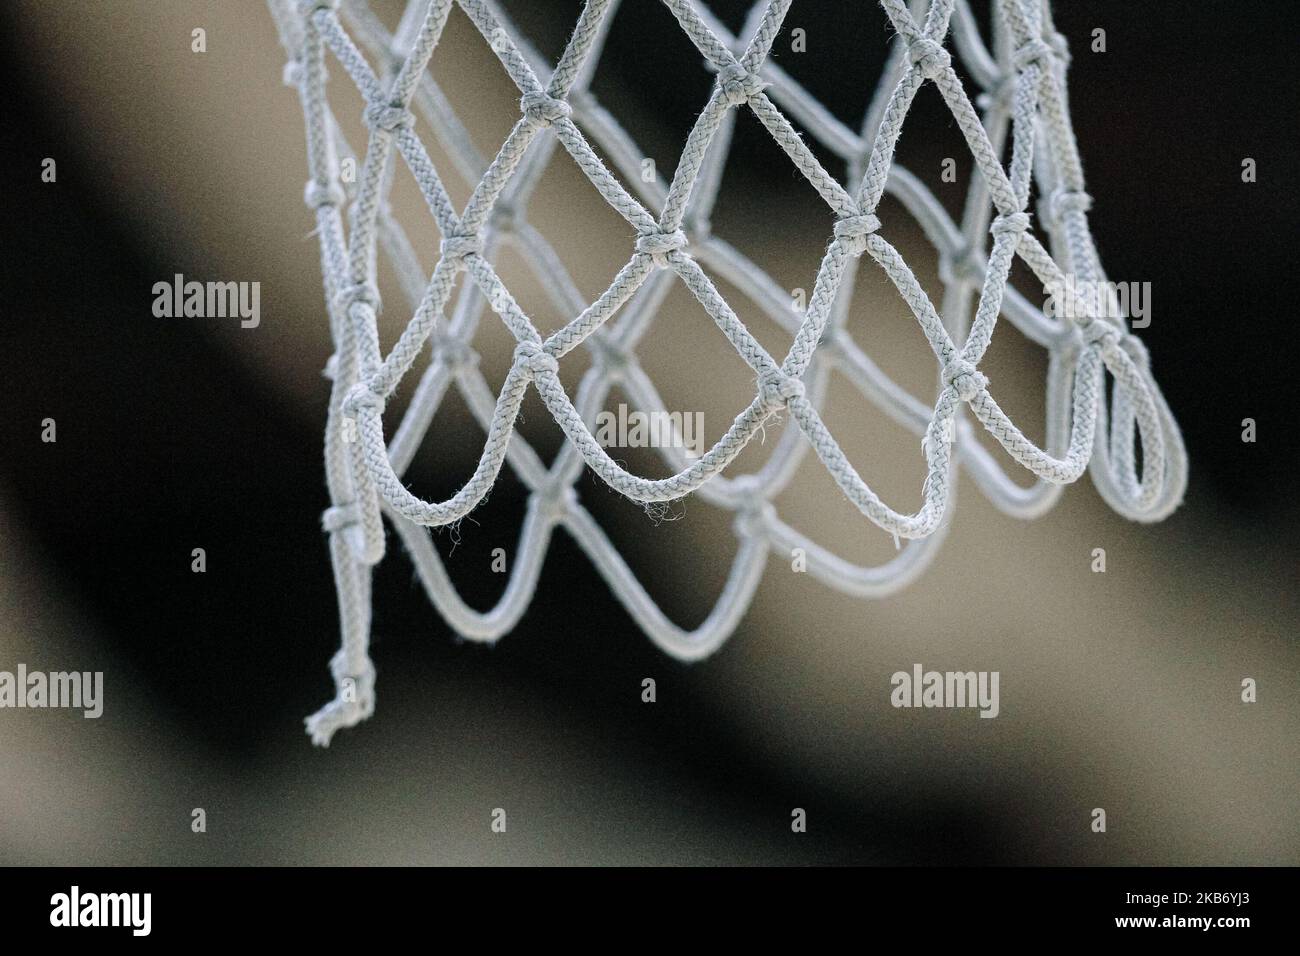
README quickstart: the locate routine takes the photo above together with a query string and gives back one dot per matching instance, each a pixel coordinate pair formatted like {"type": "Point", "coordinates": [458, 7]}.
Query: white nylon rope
{"type": "Point", "coordinates": [1023, 96]}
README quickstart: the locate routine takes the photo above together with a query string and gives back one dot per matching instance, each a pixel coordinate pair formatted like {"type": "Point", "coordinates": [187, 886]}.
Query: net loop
{"type": "Point", "coordinates": [1023, 116]}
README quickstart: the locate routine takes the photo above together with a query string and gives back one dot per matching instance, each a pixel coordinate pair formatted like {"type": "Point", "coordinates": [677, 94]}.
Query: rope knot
{"type": "Point", "coordinates": [1100, 332]}
{"type": "Point", "coordinates": [555, 503]}
{"type": "Point", "coordinates": [961, 266]}
{"type": "Point", "coordinates": [535, 359]}
{"type": "Point", "coordinates": [543, 109]}
{"type": "Point", "coordinates": [1060, 46]}
{"type": "Point", "coordinates": [1033, 51]}
{"type": "Point", "coordinates": [1131, 344]}
{"type": "Point", "coordinates": [660, 245]}
{"type": "Point", "coordinates": [457, 247]}
{"type": "Point", "coordinates": [777, 389]}
{"type": "Point", "coordinates": [504, 217]}
{"type": "Point", "coordinates": [1108, 336]}
{"type": "Point", "coordinates": [358, 293]}
{"type": "Point", "coordinates": [340, 670]}
{"type": "Point", "coordinates": [1068, 200]}
{"type": "Point", "coordinates": [388, 117]}
{"type": "Point", "coordinates": [322, 194]}
{"type": "Point", "coordinates": [1012, 224]}
{"type": "Point", "coordinates": [612, 359]}
{"type": "Point", "coordinates": [963, 379]}
{"type": "Point", "coordinates": [454, 353]}
{"type": "Point", "coordinates": [1002, 95]}
{"type": "Point", "coordinates": [853, 232]}
{"type": "Point", "coordinates": [753, 519]}
{"type": "Point", "coordinates": [310, 7]}
{"type": "Point", "coordinates": [361, 398]}
{"type": "Point", "coordinates": [339, 517]}
{"type": "Point", "coordinates": [738, 85]}
{"type": "Point", "coordinates": [928, 56]}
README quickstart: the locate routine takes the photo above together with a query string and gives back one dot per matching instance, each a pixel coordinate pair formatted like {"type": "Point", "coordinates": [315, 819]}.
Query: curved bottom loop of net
{"type": "Point", "coordinates": [1021, 72]}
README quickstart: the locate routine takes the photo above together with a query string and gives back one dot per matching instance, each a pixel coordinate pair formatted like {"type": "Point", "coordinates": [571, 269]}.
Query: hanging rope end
{"type": "Point", "coordinates": [353, 702]}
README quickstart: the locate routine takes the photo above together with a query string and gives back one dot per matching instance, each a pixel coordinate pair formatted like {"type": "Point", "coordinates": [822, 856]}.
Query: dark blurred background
{"type": "Point", "coordinates": [181, 434]}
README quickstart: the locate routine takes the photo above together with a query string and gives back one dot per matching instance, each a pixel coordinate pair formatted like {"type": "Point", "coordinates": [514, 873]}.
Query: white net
{"type": "Point", "coordinates": [1129, 440]}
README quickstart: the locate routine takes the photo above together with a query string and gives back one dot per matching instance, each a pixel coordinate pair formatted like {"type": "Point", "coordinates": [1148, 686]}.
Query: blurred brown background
{"type": "Point", "coordinates": [1118, 690]}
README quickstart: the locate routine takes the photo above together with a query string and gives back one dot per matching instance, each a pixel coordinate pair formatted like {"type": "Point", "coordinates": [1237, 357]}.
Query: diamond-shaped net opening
{"type": "Point", "coordinates": [1104, 413]}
